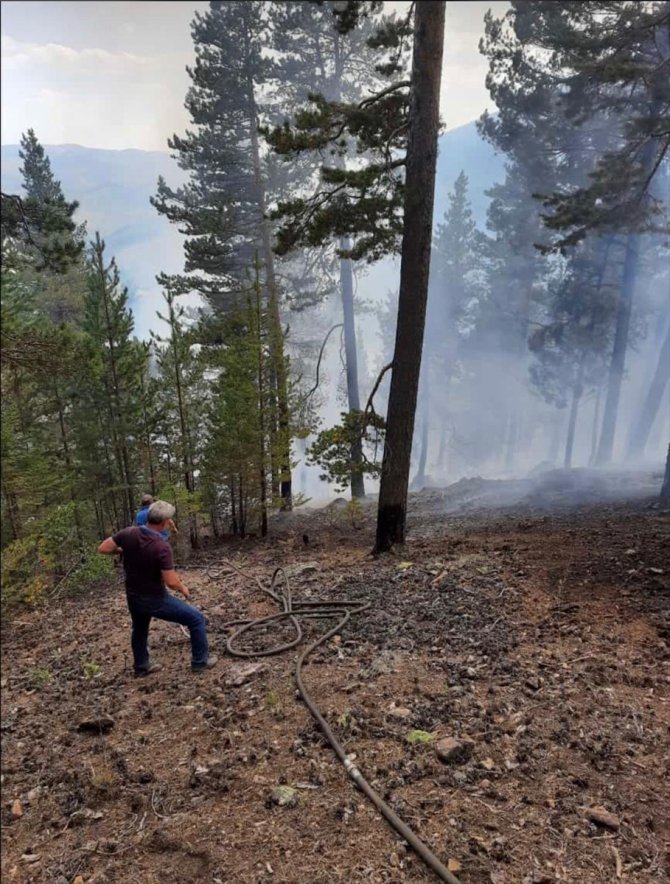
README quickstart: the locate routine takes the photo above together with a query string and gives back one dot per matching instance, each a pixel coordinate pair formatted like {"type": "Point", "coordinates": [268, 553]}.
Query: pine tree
{"type": "Point", "coordinates": [42, 221]}
{"type": "Point", "coordinates": [640, 430]}
{"type": "Point", "coordinates": [362, 203]}
{"type": "Point", "coordinates": [237, 463]}
{"type": "Point", "coordinates": [586, 82]}
{"type": "Point", "coordinates": [618, 58]}
{"type": "Point", "coordinates": [223, 205]}
{"type": "Point", "coordinates": [414, 268]}
{"type": "Point", "coordinates": [113, 380]}
{"type": "Point", "coordinates": [180, 376]}
{"type": "Point", "coordinates": [316, 59]}
{"type": "Point", "coordinates": [455, 289]}
{"type": "Point", "coordinates": [572, 345]}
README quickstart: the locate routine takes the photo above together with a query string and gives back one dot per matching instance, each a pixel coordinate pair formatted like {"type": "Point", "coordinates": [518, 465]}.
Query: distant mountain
{"type": "Point", "coordinates": [113, 189]}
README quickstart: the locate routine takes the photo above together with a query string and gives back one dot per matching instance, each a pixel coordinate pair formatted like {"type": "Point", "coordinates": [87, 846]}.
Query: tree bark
{"type": "Point", "coordinates": [596, 427]}
{"type": "Point", "coordinates": [572, 422]}
{"type": "Point", "coordinates": [122, 439]}
{"type": "Point", "coordinates": [68, 466]}
{"type": "Point", "coordinates": [147, 436]}
{"type": "Point", "coordinates": [262, 480]}
{"type": "Point", "coordinates": [512, 438]}
{"type": "Point", "coordinates": [665, 490]}
{"type": "Point", "coordinates": [276, 336]}
{"type": "Point", "coordinates": [351, 357]}
{"type": "Point", "coordinates": [186, 452]}
{"type": "Point", "coordinates": [625, 306]}
{"type": "Point", "coordinates": [640, 431]}
{"type": "Point", "coordinates": [233, 510]}
{"type": "Point", "coordinates": [12, 510]}
{"type": "Point", "coordinates": [414, 266]}
{"type": "Point", "coordinates": [348, 313]}
{"type": "Point", "coordinates": [420, 478]}
{"type": "Point", "coordinates": [606, 445]}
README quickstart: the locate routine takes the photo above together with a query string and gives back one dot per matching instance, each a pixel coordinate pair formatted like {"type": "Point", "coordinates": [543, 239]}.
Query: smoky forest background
{"type": "Point", "coordinates": [266, 380]}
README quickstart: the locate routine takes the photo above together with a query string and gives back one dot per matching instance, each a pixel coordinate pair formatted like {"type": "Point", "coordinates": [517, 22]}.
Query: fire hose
{"type": "Point", "coordinates": [293, 610]}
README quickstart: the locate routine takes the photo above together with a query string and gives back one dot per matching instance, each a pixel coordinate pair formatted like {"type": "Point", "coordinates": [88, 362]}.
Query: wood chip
{"type": "Point", "coordinates": [602, 817]}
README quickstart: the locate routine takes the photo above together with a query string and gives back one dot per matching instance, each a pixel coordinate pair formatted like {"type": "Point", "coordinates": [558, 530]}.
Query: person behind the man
{"type": "Point", "coordinates": [143, 513]}
{"type": "Point", "coordinates": [149, 569]}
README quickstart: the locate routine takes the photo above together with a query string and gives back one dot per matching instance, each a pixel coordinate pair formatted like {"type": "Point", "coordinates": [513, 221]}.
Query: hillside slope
{"type": "Point", "coordinates": [113, 188]}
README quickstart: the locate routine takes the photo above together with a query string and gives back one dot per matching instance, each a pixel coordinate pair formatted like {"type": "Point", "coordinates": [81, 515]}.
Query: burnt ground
{"type": "Point", "coordinates": [528, 619]}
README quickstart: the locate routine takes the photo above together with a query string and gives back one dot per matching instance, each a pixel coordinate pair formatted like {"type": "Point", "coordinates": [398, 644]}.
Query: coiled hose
{"type": "Point", "coordinates": [292, 610]}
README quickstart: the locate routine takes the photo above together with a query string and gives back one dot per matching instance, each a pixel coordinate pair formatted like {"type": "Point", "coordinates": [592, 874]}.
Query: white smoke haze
{"type": "Point", "coordinates": [65, 68]}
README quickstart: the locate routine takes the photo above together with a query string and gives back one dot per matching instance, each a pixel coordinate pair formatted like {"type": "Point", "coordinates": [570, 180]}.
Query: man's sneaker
{"type": "Point", "coordinates": [142, 673]}
{"type": "Point", "coordinates": [212, 660]}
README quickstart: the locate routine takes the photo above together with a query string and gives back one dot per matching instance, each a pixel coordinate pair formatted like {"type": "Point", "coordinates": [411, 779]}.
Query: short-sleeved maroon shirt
{"type": "Point", "coordinates": [145, 555]}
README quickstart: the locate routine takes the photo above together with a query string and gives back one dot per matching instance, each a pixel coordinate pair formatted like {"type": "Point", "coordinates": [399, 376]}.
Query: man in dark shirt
{"type": "Point", "coordinates": [149, 568]}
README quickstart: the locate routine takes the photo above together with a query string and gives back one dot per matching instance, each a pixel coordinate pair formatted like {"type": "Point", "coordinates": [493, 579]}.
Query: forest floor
{"type": "Point", "coordinates": [526, 620]}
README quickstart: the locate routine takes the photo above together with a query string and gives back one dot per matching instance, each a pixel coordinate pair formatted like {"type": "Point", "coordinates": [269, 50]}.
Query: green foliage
{"type": "Point", "coordinates": [40, 223]}
{"type": "Point", "coordinates": [91, 669]}
{"type": "Point", "coordinates": [365, 201]}
{"type": "Point", "coordinates": [48, 558]}
{"type": "Point", "coordinates": [40, 677]}
{"type": "Point", "coordinates": [590, 80]}
{"type": "Point", "coordinates": [418, 737]}
{"type": "Point", "coordinates": [332, 449]}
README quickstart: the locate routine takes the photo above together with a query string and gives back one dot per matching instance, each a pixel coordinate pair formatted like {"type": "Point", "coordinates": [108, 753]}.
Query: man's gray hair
{"type": "Point", "coordinates": [160, 511]}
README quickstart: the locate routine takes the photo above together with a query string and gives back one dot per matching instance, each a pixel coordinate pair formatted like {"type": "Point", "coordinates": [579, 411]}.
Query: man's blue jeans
{"type": "Point", "coordinates": [165, 607]}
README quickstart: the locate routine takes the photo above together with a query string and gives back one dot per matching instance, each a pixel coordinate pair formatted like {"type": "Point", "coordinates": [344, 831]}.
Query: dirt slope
{"type": "Point", "coordinates": [539, 639]}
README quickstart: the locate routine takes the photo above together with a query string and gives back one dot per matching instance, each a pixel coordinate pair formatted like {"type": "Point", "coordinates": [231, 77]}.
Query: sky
{"type": "Point", "coordinates": [113, 75]}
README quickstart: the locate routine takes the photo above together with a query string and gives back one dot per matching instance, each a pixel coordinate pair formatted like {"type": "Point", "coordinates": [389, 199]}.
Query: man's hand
{"type": "Point", "coordinates": [172, 581]}
{"type": "Point", "coordinates": [172, 525]}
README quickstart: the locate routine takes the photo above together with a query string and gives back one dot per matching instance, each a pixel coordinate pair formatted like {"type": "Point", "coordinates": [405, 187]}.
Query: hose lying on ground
{"type": "Point", "coordinates": [293, 610]}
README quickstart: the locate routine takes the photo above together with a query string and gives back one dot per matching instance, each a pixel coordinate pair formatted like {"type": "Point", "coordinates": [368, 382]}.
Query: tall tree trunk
{"type": "Point", "coordinates": [443, 453]}
{"type": "Point", "coordinates": [242, 516]}
{"type": "Point", "coordinates": [572, 422]}
{"type": "Point", "coordinates": [68, 466]}
{"type": "Point", "coordinates": [99, 517]}
{"type": "Point", "coordinates": [639, 434]}
{"type": "Point", "coordinates": [420, 478]}
{"type": "Point", "coordinates": [624, 309]}
{"type": "Point", "coordinates": [261, 413]}
{"type": "Point", "coordinates": [555, 438]}
{"type": "Point", "coordinates": [665, 490]}
{"type": "Point", "coordinates": [414, 267]}
{"type": "Point", "coordinates": [186, 451]}
{"type": "Point", "coordinates": [625, 306]}
{"type": "Point", "coordinates": [348, 313]}
{"type": "Point", "coordinates": [276, 334]}
{"type": "Point", "coordinates": [596, 428]}
{"type": "Point", "coordinates": [216, 531]}
{"type": "Point", "coordinates": [116, 398]}
{"type": "Point", "coordinates": [147, 437]}
{"type": "Point", "coordinates": [351, 356]}
{"type": "Point", "coordinates": [511, 439]}
{"type": "Point", "coordinates": [233, 508]}
{"type": "Point", "coordinates": [12, 510]}
{"type": "Point", "coordinates": [114, 516]}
